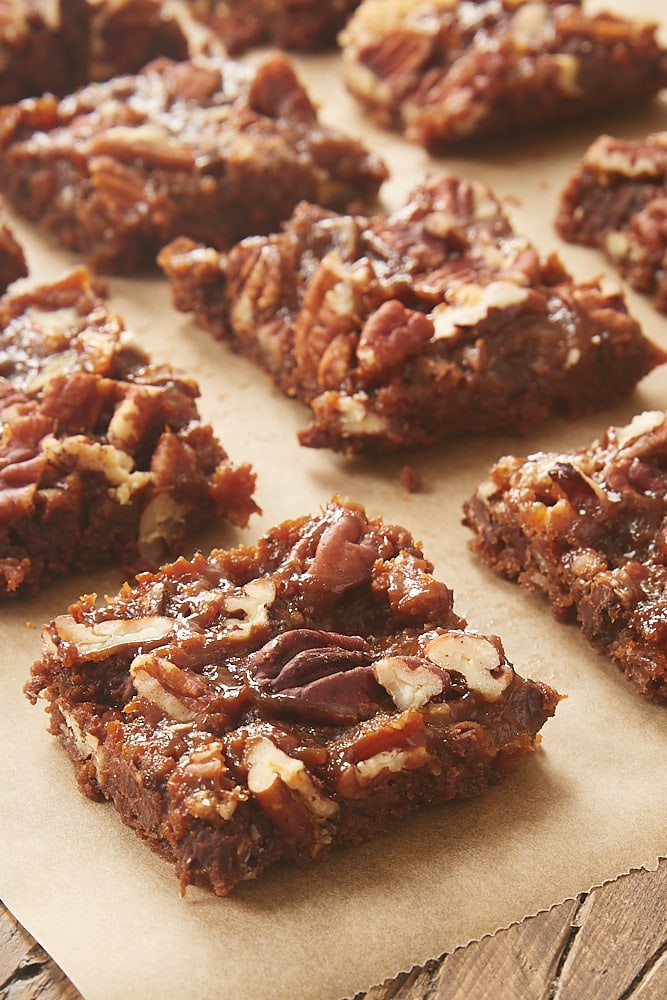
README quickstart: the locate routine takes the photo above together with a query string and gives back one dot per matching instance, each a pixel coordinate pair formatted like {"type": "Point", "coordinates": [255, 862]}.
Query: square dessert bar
{"type": "Point", "coordinates": [277, 701]}
{"type": "Point", "coordinates": [103, 457]}
{"type": "Point", "coordinates": [307, 25]}
{"type": "Point", "coordinates": [205, 148]}
{"type": "Point", "coordinates": [44, 47]}
{"type": "Point", "coordinates": [587, 528]}
{"type": "Point", "coordinates": [450, 71]}
{"type": "Point", "coordinates": [55, 46]}
{"type": "Point", "coordinates": [125, 35]}
{"type": "Point", "coordinates": [616, 200]}
{"type": "Point", "coordinates": [401, 330]}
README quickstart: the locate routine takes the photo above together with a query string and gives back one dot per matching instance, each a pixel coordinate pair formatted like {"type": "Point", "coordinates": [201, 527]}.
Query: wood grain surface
{"type": "Point", "coordinates": [608, 944]}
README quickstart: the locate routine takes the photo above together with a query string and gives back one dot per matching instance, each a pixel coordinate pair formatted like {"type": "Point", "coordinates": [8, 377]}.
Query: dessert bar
{"type": "Point", "coordinates": [206, 148]}
{"type": "Point", "coordinates": [103, 457]}
{"type": "Point", "coordinates": [306, 25]}
{"type": "Point", "coordinates": [446, 72]}
{"type": "Point", "coordinates": [278, 701]}
{"type": "Point", "coordinates": [55, 46]}
{"type": "Point", "coordinates": [587, 528]}
{"type": "Point", "coordinates": [616, 200]}
{"type": "Point", "coordinates": [44, 47]}
{"type": "Point", "coordinates": [400, 330]}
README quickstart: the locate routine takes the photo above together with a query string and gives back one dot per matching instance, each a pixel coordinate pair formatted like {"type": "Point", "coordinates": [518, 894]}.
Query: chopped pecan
{"type": "Point", "coordinates": [97, 641]}
{"type": "Point", "coordinates": [286, 791]}
{"type": "Point", "coordinates": [581, 490]}
{"type": "Point", "coordinates": [411, 680]}
{"type": "Point", "coordinates": [149, 144]}
{"type": "Point", "coordinates": [276, 92]}
{"type": "Point", "coordinates": [317, 675]}
{"type": "Point", "coordinates": [201, 781]}
{"type": "Point", "coordinates": [373, 758]}
{"type": "Point", "coordinates": [479, 658]}
{"type": "Point", "coordinates": [161, 682]}
{"type": "Point", "coordinates": [389, 336]}
{"type": "Point", "coordinates": [411, 590]}
{"type": "Point", "coordinates": [336, 361]}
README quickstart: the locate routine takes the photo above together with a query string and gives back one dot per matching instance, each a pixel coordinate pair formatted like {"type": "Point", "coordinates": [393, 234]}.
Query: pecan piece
{"type": "Point", "coordinates": [479, 658]}
{"type": "Point", "coordinates": [329, 560]}
{"type": "Point", "coordinates": [161, 682]}
{"type": "Point", "coordinates": [389, 337]}
{"type": "Point", "coordinates": [412, 591]}
{"type": "Point", "coordinates": [372, 759]}
{"type": "Point", "coordinates": [316, 675]}
{"type": "Point", "coordinates": [583, 492]}
{"type": "Point", "coordinates": [289, 795]}
{"type": "Point", "coordinates": [98, 640]}
{"type": "Point", "coordinates": [411, 680]}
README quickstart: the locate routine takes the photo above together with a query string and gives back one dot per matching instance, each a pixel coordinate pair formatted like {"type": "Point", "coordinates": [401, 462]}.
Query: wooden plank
{"type": "Point", "coordinates": [26, 971]}
{"type": "Point", "coordinates": [653, 986]}
{"type": "Point", "coordinates": [520, 961]}
{"type": "Point", "coordinates": [633, 911]}
{"type": "Point", "coordinates": [610, 943]}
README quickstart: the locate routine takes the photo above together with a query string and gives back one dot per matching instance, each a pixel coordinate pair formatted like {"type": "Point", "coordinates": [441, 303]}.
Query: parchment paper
{"type": "Point", "coordinates": [590, 804]}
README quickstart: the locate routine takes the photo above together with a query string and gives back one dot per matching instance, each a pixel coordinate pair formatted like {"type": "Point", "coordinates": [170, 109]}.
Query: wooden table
{"type": "Point", "coordinates": [609, 944]}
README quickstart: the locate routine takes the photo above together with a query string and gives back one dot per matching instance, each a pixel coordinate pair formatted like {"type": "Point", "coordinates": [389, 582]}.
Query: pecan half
{"type": "Point", "coordinates": [389, 337]}
{"type": "Point", "coordinates": [316, 675]}
{"type": "Point", "coordinates": [332, 303]}
{"type": "Point", "coordinates": [332, 558]}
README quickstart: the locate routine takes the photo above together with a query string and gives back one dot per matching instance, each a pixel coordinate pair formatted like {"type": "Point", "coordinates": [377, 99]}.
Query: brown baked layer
{"type": "Point", "coordinates": [401, 330]}
{"type": "Point", "coordinates": [103, 457]}
{"type": "Point", "coordinates": [306, 25]}
{"type": "Point", "coordinates": [616, 200]}
{"type": "Point", "coordinates": [449, 71]}
{"type": "Point", "coordinates": [205, 148]}
{"type": "Point", "coordinates": [55, 46]}
{"type": "Point", "coordinates": [277, 701]}
{"type": "Point", "coordinates": [587, 528]}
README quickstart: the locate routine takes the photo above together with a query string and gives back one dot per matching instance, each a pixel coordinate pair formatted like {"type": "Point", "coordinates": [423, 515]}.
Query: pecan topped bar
{"type": "Point", "coordinates": [448, 71]}
{"type": "Point", "coordinates": [307, 25]}
{"type": "Point", "coordinates": [616, 199]}
{"type": "Point", "coordinates": [207, 148]}
{"type": "Point", "coordinates": [44, 46]}
{"type": "Point", "coordinates": [55, 46]}
{"type": "Point", "coordinates": [276, 701]}
{"type": "Point", "coordinates": [127, 34]}
{"type": "Point", "coordinates": [402, 330]}
{"type": "Point", "coordinates": [103, 457]}
{"type": "Point", "coordinates": [587, 528]}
